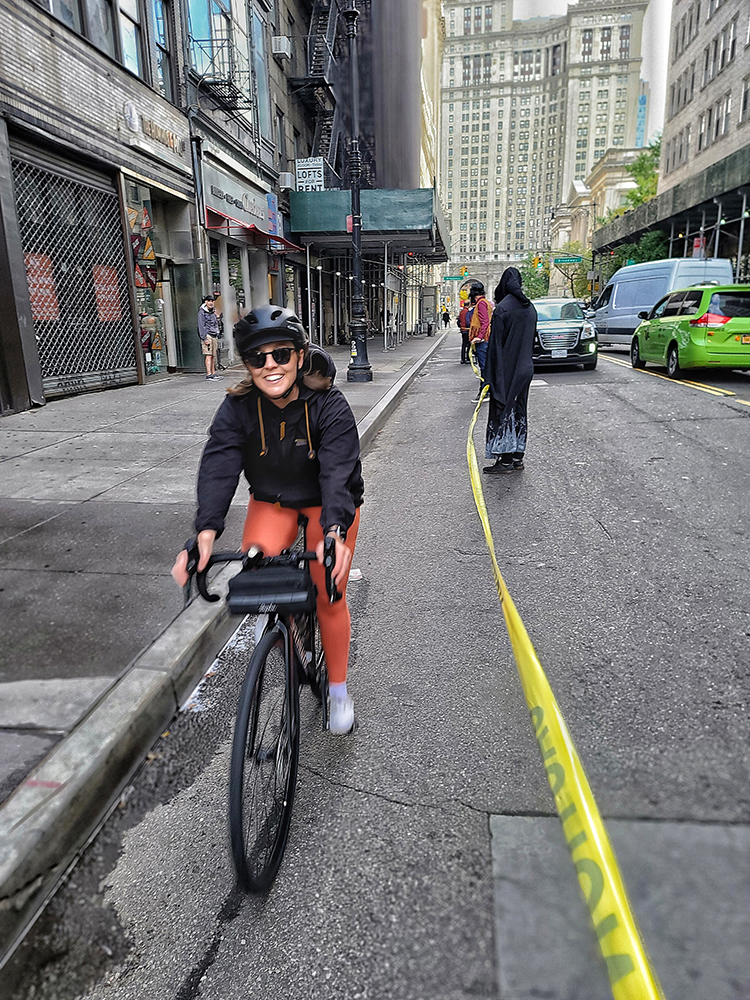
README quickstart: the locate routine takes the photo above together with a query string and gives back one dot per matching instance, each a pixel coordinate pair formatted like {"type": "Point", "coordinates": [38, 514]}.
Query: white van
{"type": "Point", "coordinates": [637, 287]}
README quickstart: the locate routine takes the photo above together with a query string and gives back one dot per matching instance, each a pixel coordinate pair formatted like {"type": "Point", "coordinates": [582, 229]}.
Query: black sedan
{"type": "Point", "coordinates": [563, 334]}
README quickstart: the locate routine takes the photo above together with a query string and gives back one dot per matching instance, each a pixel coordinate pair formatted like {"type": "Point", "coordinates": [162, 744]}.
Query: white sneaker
{"type": "Point", "coordinates": [341, 715]}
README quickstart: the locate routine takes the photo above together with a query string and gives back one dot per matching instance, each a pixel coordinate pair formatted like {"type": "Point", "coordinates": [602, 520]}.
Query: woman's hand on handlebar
{"type": "Point", "coordinates": [343, 562]}
{"type": "Point", "coordinates": [205, 548]}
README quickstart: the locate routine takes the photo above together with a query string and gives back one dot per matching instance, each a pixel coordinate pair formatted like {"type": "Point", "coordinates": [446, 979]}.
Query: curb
{"type": "Point", "coordinates": [51, 817]}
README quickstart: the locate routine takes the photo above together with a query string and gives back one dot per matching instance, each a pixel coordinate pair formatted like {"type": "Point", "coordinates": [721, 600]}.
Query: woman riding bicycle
{"type": "Point", "coordinates": [298, 447]}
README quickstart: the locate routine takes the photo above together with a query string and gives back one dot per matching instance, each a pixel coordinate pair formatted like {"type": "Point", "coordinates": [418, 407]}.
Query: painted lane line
{"type": "Point", "coordinates": [711, 390]}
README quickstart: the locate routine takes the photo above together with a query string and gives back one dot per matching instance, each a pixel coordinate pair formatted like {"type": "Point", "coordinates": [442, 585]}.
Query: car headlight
{"type": "Point", "coordinates": [587, 331]}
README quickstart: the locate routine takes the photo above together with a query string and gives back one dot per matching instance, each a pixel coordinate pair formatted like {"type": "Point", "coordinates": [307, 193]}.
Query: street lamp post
{"type": "Point", "coordinates": [359, 369]}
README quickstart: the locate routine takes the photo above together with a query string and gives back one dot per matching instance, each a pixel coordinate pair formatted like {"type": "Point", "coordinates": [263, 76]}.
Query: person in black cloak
{"type": "Point", "coordinates": [510, 368]}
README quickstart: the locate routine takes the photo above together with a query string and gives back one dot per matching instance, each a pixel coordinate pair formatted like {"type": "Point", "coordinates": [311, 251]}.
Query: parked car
{"type": "Point", "coordinates": [639, 287]}
{"type": "Point", "coordinates": [699, 327]}
{"type": "Point", "coordinates": [563, 334]}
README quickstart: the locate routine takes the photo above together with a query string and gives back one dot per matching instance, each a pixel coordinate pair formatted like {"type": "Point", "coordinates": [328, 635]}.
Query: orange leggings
{"type": "Point", "coordinates": [274, 528]}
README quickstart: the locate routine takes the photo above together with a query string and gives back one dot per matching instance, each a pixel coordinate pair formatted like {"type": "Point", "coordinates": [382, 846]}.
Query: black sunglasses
{"type": "Point", "coordinates": [281, 355]}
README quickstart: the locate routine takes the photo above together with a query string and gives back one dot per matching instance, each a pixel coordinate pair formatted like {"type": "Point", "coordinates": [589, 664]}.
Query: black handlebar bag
{"type": "Point", "coordinates": [279, 589]}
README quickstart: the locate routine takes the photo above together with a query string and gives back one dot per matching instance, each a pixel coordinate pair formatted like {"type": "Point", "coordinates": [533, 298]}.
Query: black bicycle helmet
{"type": "Point", "coordinates": [477, 288]}
{"type": "Point", "coordinates": [264, 325]}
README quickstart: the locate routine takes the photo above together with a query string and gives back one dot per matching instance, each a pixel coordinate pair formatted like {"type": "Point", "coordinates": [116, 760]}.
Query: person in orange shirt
{"type": "Point", "coordinates": [463, 324]}
{"type": "Point", "coordinates": [479, 331]}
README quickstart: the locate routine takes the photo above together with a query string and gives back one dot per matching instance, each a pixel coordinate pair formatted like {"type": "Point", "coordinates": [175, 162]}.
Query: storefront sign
{"type": "Point", "coordinates": [107, 293]}
{"type": "Point", "coordinates": [310, 175]}
{"type": "Point", "coordinates": [138, 123]}
{"type": "Point", "coordinates": [42, 292]}
{"type": "Point", "coordinates": [231, 197]}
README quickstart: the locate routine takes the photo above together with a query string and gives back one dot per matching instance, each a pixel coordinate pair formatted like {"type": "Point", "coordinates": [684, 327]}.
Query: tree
{"type": "Point", "coordinates": [575, 274]}
{"type": "Point", "coordinates": [651, 246]}
{"type": "Point", "coordinates": [535, 280]}
{"type": "Point", "coordinates": [645, 172]}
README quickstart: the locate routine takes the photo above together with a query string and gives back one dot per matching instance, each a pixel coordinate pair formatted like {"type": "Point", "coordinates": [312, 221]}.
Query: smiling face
{"type": "Point", "coordinates": [273, 379]}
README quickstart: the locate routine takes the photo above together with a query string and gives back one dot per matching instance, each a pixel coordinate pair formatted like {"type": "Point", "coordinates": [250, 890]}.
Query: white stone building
{"type": "Point", "coordinates": [528, 108]}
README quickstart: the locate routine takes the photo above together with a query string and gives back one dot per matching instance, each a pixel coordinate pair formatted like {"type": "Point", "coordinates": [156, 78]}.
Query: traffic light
{"type": "Point", "coordinates": [538, 263]}
{"type": "Point", "coordinates": [463, 270]}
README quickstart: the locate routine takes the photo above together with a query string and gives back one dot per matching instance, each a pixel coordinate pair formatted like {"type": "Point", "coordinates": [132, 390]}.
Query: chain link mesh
{"type": "Point", "coordinates": [72, 238]}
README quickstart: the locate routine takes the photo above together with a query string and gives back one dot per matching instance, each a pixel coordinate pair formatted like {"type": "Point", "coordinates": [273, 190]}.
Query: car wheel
{"type": "Point", "coordinates": [673, 362]}
{"type": "Point", "coordinates": [635, 355]}
{"type": "Point", "coordinates": [589, 366]}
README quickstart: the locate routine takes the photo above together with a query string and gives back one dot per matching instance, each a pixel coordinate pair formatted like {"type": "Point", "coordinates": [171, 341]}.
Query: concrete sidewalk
{"type": "Point", "coordinates": [96, 497]}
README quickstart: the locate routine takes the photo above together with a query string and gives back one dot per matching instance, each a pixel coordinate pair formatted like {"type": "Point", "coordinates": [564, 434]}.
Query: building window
{"type": "Point", "coordinates": [467, 20]}
{"type": "Point", "coordinates": [587, 44]}
{"type": "Point", "coordinates": [115, 27]}
{"type": "Point", "coordinates": [130, 35]}
{"type": "Point", "coordinates": [625, 41]}
{"type": "Point", "coordinates": [487, 73]}
{"type": "Point", "coordinates": [606, 45]}
{"type": "Point", "coordinates": [162, 43]}
{"type": "Point", "coordinates": [467, 70]}
{"type": "Point", "coordinates": [745, 100]}
{"type": "Point", "coordinates": [477, 20]}
{"type": "Point", "coordinates": [488, 17]}
{"type": "Point", "coordinates": [260, 67]}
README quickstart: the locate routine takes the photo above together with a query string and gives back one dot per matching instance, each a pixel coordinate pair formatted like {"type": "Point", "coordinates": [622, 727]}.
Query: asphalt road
{"type": "Point", "coordinates": [410, 871]}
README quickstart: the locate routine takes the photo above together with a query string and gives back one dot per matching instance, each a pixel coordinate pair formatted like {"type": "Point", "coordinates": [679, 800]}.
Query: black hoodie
{"type": "Point", "coordinates": [304, 455]}
{"type": "Point", "coordinates": [510, 365]}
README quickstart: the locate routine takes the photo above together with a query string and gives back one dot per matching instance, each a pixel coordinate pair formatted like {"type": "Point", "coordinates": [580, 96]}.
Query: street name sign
{"type": "Point", "coordinates": [567, 260]}
{"type": "Point", "coordinates": [453, 277]}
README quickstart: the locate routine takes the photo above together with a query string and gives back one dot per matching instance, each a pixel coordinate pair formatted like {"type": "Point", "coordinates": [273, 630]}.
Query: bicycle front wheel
{"type": "Point", "coordinates": [263, 771]}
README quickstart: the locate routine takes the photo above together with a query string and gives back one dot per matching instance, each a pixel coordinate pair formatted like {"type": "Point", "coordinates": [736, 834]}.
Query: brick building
{"type": "Point", "coordinates": [147, 155]}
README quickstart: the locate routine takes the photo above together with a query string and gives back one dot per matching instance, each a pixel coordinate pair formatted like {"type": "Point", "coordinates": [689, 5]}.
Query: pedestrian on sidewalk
{"type": "Point", "coordinates": [509, 370]}
{"type": "Point", "coordinates": [464, 319]}
{"type": "Point", "coordinates": [208, 331]}
{"type": "Point", "coordinates": [446, 318]}
{"type": "Point", "coordinates": [479, 330]}
{"type": "Point", "coordinates": [294, 437]}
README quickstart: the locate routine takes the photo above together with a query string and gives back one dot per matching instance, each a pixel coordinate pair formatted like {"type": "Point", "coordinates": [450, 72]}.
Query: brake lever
{"type": "Point", "coordinates": [329, 561]}
{"type": "Point", "coordinates": [191, 545]}
{"type": "Point", "coordinates": [200, 580]}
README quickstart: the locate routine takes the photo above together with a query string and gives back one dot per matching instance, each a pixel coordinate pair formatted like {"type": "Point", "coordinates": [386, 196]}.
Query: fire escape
{"type": "Point", "coordinates": [222, 64]}
{"type": "Point", "coordinates": [315, 88]}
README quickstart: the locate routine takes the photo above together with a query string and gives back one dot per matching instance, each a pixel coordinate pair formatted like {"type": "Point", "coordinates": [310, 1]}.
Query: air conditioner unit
{"type": "Point", "coordinates": [281, 45]}
{"type": "Point", "coordinates": [287, 181]}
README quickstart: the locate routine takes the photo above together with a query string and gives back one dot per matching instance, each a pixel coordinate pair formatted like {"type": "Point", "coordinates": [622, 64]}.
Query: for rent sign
{"type": "Point", "coordinates": [310, 174]}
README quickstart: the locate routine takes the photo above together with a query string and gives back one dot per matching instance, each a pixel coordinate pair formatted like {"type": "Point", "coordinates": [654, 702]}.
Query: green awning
{"type": "Point", "coordinates": [409, 221]}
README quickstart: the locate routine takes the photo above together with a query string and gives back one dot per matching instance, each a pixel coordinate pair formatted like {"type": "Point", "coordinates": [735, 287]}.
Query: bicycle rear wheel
{"type": "Point", "coordinates": [263, 771]}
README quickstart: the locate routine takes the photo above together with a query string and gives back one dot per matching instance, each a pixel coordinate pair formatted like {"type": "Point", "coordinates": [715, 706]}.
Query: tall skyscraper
{"type": "Point", "coordinates": [529, 107]}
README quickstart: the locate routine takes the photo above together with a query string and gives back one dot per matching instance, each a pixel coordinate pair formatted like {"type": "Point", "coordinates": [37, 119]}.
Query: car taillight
{"type": "Point", "coordinates": [710, 319]}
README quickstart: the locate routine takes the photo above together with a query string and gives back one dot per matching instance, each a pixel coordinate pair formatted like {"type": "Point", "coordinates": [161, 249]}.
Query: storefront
{"type": "Point", "coordinates": [74, 255]}
{"type": "Point", "coordinates": [99, 239]}
{"type": "Point", "coordinates": [159, 219]}
{"type": "Point", "coordinates": [245, 249]}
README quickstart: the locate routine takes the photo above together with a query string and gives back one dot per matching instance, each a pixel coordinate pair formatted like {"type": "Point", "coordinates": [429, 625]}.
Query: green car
{"type": "Point", "coordinates": [706, 326]}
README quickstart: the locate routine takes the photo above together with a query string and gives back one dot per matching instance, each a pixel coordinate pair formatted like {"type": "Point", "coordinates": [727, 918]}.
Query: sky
{"type": "Point", "coordinates": [655, 46]}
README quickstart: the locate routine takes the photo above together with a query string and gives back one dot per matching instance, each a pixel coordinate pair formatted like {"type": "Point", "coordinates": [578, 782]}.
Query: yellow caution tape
{"type": "Point", "coordinates": [473, 359]}
{"type": "Point", "coordinates": [630, 975]}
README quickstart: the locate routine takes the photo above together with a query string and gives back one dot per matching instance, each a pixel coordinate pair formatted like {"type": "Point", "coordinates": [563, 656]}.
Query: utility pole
{"type": "Point", "coordinates": [359, 369]}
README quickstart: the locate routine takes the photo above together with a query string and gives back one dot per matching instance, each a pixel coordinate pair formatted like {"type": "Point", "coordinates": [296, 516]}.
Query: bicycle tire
{"type": "Point", "coordinates": [263, 771]}
{"type": "Point", "coordinates": [319, 672]}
